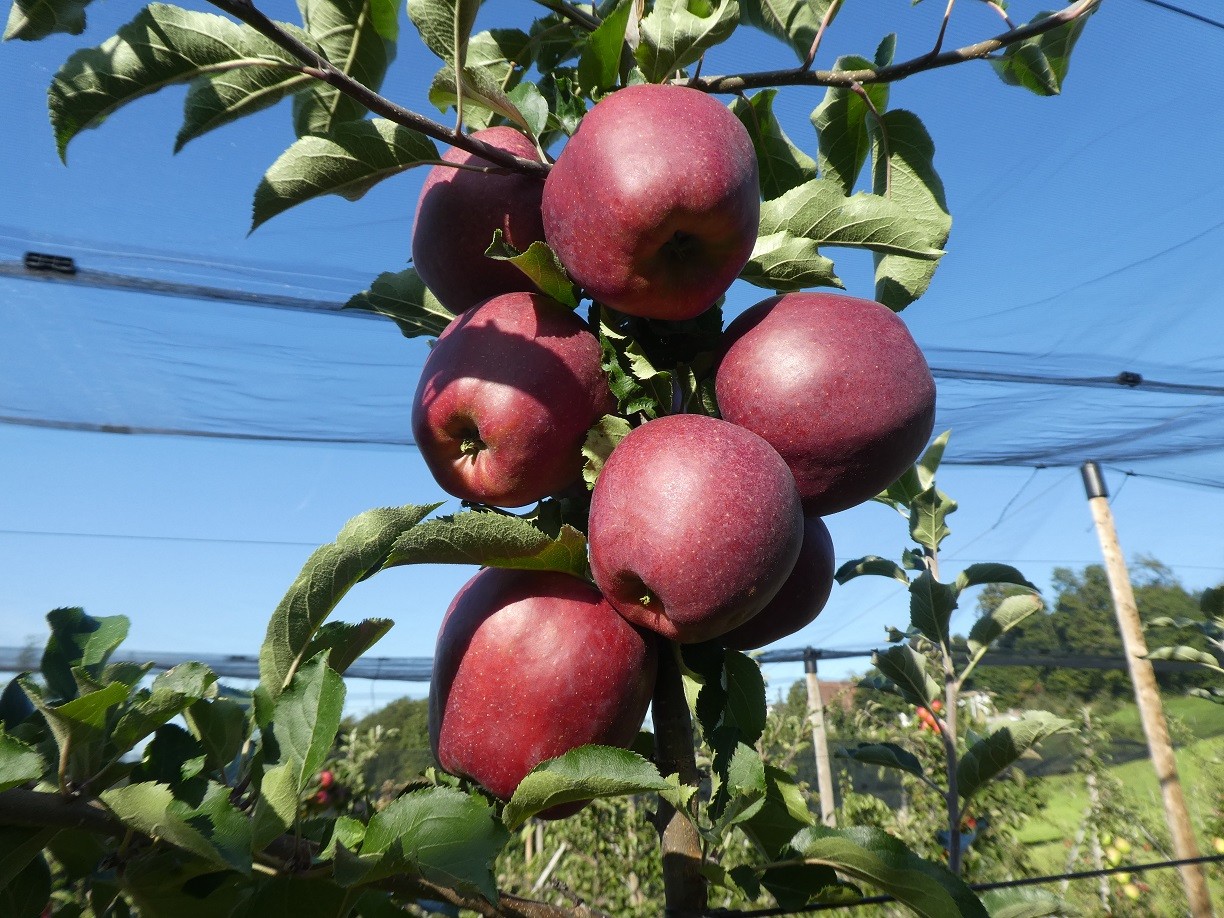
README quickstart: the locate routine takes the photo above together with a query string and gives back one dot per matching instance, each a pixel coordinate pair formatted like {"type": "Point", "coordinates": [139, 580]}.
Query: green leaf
{"type": "Point", "coordinates": [991, 572]}
{"type": "Point", "coordinates": [307, 717]}
{"type": "Point", "coordinates": [214, 831]}
{"type": "Point", "coordinates": [793, 21]}
{"type": "Point", "coordinates": [901, 493]}
{"type": "Point", "coordinates": [287, 896]}
{"type": "Point", "coordinates": [330, 572]}
{"type": "Point", "coordinates": [1024, 902]}
{"type": "Point", "coordinates": [358, 38]}
{"type": "Point", "coordinates": [19, 846]}
{"type": "Point", "coordinates": [220, 725]}
{"type": "Point", "coordinates": [745, 690]}
{"type": "Point", "coordinates": [172, 693]}
{"type": "Point", "coordinates": [818, 210]}
{"type": "Point", "coordinates": [540, 264]}
{"type": "Point", "coordinates": [29, 892]}
{"type": "Point", "coordinates": [162, 45]}
{"type": "Point", "coordinates": [15, 706]}
{"type": "Point", "coordinates": [403, 297]}
{"type": "Point", "coordinates": [490, 540]}
{"type": "Point", "coordinates": [874, 857]}
{"type": "Point", "coordinates": [786, 263]}
{"type": "Point", "coordinates": [601, 439]}
{"type": "Point", "coordinates": [175, 758]}
{"type": "Point", "coordinates": [479, 90]}
{"type": "Point", "coordinates": [926, 467]}
{"type": "Point", "coordinates": [927, 514]}
{"type": "Point", "coordinates": [446, 28]}
{"type": "Point", "coordinates": [588, 773]}
{"type": "Point", "coordinates": [841, 126]}
{"type": "Point", "coordinates": [78, 640]}
{"type": "Point", "coordinates": [907, 670]}
{"type": "Point", "coordinates": [1040, 63]}
{"type": "Point", "coordinates": [884, 755]}
{"type": "Point", "coordinates": [599, 65]}
{"type": "Point", "coordinates": [1187, 654]}
{"type": "Point", "coordinates": [989, 756]}
{"type": "Point", "coordinates": [931, 607]}
{"type": "Point", "coordinates": [19, 763]}
{"type": "Point", "coordinates": [784, 813]}
{"type": "Point", "coordinates": [621, 360]}
{"type": "Point", "coordinates": [782, 165]}
{"type": "Point", "coordinates": [445, 836]}
{"type": "Point", "coordinates": [908, 178]}
{"type": "Point", "coordinates": [527, 98]}
{"type": "Point", "coordinates": [349, 161]}
{"type": "Point", "coordinates": [217, 99]}
{"type": "Point", "coordinates": [673, 35]}
{"type": "Point", "coordinates": [347, 641]}
{"type": "Point", "coordinates": [31, 20]}
{"type": "Point", "coordinates": [1212, 602]}
{"type": "Point", "coordinates": [871, 564]}
{"type": "Point", "coordinates": [1003, 618]}
{"type": "Point", "coordinates": [80, 726]}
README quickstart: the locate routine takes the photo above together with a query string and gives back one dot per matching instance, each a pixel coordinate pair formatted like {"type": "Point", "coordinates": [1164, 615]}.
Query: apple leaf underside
{"type": "Point", "coordinates": [30, 20]}
{"type": "Point", "coordinates": [795, 22]}
{"type": "Point", "coordinates": [672, 36]}
{"type": "Point", "coordinates": [1003, 748]}
{"type": "Point", "coordinates": [403, 297]}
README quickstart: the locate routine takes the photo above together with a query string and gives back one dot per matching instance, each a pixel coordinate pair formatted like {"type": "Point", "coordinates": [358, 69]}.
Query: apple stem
{"type": "Point", "coordinates": [684, 886]}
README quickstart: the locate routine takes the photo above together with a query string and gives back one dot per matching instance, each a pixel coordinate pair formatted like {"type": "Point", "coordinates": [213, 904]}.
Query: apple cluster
{"type": "Point", "coordinates": [700, 528]}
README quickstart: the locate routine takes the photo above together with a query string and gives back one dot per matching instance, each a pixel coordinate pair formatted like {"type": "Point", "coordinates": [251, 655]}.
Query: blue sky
{"type": "Point", "coordinates": [195, 540]}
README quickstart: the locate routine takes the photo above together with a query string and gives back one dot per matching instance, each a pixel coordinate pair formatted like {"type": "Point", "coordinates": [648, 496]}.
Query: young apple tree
{"type": "Point", "coordinates": [598, 193]}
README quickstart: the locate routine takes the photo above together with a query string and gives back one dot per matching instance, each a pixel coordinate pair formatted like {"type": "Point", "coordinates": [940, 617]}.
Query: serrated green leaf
{"type": "Point", "coordinates": [403, 297]}
{"type": "Point", "coordinates": [928, 511]}
{"type": "Point", "coordinates": [782, 165]}
{"type": "Point", "coordinates": [931, 607]}
{"type": "Point", "coordinates": [20, 845]}
{"type": "Point", "coordinates": [330, 572]}
{"type": "Point", "coordinates": [871, 564]}
{"type": "Point", "coordinates": [587, 773]}
{"type": "Point", "coordinates": [745, 688]}
{"type": "Point", "coordinates": [991, 572]}
{"type": "Point", "coordinates": [819, 211]}
{"type": "Point", "coordinates": [172, 693]}
{"type": "Point", "coordinates": [217, 99]}
{"type": "Point", "coordinates": [1187, 654]}
{"type": "Point", "coordinates": [349, 161]}
{"type": "Point", "coordinates": [440, 833]}
{"type": "Point", "coordinates": [907, 670]}
{"type": "Point", "coordinates": [1003, 618]}
{"type": "Point", "coordinates": [600, 62]}
{"type": "Point", "coordinates": [527, 99]}
{"type": "Point", "coordinates": [446, 28]}
{"type": "Point", "coordinates": [78, 640]}
{"type": "Point", "coordinates": [499, 57]}
{"type": "Point", "coordinates": [490, 540]}
{"type": "Point", "coordinates": [480, 91]}
{"type": "Point", "coordinates": [988, 757]}
{"type": "Point", "coordinates": [908, 178]}
{"type": "Point", "coordinates": [30, 20]}
{"type": "Point", "coordinates": [80, 726]}
{"type": "Point", "coordinates": [874, 857]}
{"type": "Point", "coordinates": [786, 263]}
{"type": "Point", "coordinates": [926, 467]}
{"type": "Point", "coordinates": [162, 45]}
{"type": "Point", "coordinates": [352, 36]}
{"type": "Point", "coordinates": [19, 762]}
{"type": "Point", "coordinates": [844, 141]}
{"type": "Point", "coordinates": [741, 790]}
{"type": "Point", "coordinates": [214, 831]}
{"type": "Point", "coordinates": [1040, 63]}
{"type": "Point", "coordinates": [795, 22]}
{"type": "Point", "coordinates": [307, 717]}
{"type": "Point", "coordinates": [672, 35]}
{"type": "Point", "coordinates": [601, 439]}
{"type": "Point", "coordinates": [540, 264]}
{"type": "Point", "coordinates": [784, 813]}
{"type": "Point", "coordinates": [884, 755]}
{"type": "Point", "coordinates": [347, 641]}
{"type": "Point", "coordinates": [28, 894]}
{"type": "Point", "coordinates": [631, 396]}
{"type": "Point", "coordinates": [220, 725]}
{"type": "Point", "coordinates": [287, 896]}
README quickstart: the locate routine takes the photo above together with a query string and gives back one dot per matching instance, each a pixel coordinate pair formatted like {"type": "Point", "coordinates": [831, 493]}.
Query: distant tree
{"type": "Point", "coordinates": [405, 754]}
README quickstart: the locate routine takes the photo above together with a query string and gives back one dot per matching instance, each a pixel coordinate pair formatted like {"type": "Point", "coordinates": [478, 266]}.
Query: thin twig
{"type": "Point", "coordinates": [588, 21]}
{"type": "Point", "coordinates": [824, 25]}
{"type": "Point", "coordinates": [797, 76]}
{"type": "Point", "coordinates": [885, 154]}
{"type": "Point", "coordinates": [943, 29]}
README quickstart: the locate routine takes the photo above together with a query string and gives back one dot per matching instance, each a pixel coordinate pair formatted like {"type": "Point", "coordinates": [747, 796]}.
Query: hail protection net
{"type": "Point", "coordinates": [1077, 315]}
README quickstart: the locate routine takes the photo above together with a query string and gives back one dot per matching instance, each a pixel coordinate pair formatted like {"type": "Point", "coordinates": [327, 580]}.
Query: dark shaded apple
{"type": "Point", "coordinates": [695, 524]}
{"type": "Point", "coordinates": [457, 213]}
{"type": "Point", "coordinates": [653, 204]}
{"type": "Point", "coordinates": [506, 398]}
{"type": "Point", "coordinates": [836, 385]}
{"type": "Point", "coordinates": [801, 598]}
{"type": "Point", "coordinates": [529, 665]}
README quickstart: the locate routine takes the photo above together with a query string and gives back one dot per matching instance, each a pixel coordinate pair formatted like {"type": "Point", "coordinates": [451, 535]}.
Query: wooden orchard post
{"type": "Point", "coordinates": [820, 740]}
{"type": "Point", "coordinates": [1147, 695]}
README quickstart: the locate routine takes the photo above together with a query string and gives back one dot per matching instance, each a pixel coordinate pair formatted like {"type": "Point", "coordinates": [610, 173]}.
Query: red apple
{"type": "Point", "coordinates": [457, 213]}
{"type": "Point", "coordinates": [801, 598]}
{"type": "Point", "coordinates": [505, 399]}
{"type": "Point", "coordinates": [653, 205]}
{"type": "Point", "coordinates": [836, 385]}
{"type": "Point", "coordinates": [695, 524]}
{"type": "Point", "coordinates": [529, 665]}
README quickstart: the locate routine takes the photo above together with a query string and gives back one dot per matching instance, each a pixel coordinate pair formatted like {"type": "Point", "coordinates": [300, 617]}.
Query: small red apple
{"type": "Point", "coordinates": [456, 215]}
{"type": "Point", "coordinates": [653, 205]}
{"type": "Point", "coordinates": [530, 665]}
{"type": "Point", "coordinates": [801, 598]}
{"type": "Point", "coordinates": [695, 524]}
{"type": "Point", "coordinates": [326, 779]}
{"type": "Point", "coordinates": [836, 385]}
{"type": "Point", "coordinates": [506, 398]}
